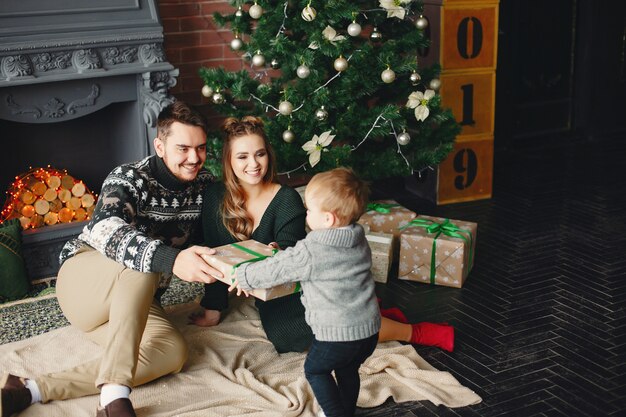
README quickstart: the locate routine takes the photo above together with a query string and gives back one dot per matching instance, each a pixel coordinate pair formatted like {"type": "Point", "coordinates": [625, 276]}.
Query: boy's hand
{"type": "Point", "coordinates": [235, 284]}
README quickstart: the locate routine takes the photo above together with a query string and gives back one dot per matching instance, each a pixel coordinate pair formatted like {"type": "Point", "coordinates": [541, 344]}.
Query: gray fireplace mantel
{"type": "Point", "coordinates": [47, 41]}
{"type": "Point", "coordinates": [81, 85]}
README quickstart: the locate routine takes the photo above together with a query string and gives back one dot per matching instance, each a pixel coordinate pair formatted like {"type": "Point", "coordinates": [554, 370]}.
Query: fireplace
{"type": "Point", "coordinates": [81, 86]}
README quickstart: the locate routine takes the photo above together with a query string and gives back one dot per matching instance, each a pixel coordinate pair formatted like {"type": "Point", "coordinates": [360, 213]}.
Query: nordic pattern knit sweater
{"type": "Point", "coordinates": [144, 217]}
{"type": "Point", "coordinates": [284, 223]}
{"type": "Point", "coordinates": [333, 267]}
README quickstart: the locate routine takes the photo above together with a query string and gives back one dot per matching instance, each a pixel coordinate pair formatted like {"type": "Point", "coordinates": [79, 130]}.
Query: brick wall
{"type": "Point", "coordinates": [192, 40]}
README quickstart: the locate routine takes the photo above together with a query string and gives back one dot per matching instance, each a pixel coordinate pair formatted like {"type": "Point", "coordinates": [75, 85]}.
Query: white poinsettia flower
{"type": "Point", "coordinates": [394, 7]}
{"type": "Point", "coordinates": [419, 102]}
{"type": "Point", "coordinates": [315, 146]}
{"type": "Point", "coordinates": [331, 34]}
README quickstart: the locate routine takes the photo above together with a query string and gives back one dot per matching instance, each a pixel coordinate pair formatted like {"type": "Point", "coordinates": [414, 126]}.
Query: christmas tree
{"type": "Point", "coordinates": [338, 83]}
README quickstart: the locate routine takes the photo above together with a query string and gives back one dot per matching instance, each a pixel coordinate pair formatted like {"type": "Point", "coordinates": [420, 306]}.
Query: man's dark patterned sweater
{"type": "Point", "coordinates": [144, 217]}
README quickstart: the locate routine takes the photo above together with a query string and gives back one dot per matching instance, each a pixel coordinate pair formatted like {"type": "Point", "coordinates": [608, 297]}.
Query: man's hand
{"type": "Point", "coordinates": [189, 265]}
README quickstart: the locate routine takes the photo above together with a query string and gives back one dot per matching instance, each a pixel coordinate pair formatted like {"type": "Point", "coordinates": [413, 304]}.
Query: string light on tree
{"type": "Point", "coordinates": [255, 11]}
{"type": "Point", "coordinates": [274, 63]}
{"type": "Point", "coordinates": [239, 12]}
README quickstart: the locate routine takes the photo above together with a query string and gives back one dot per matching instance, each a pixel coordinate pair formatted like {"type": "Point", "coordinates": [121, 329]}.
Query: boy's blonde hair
{"type": "Point", "coordinates": [340, 192]}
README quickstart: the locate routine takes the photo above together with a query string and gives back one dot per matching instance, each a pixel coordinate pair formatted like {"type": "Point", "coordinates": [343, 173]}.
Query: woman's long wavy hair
{"type": "Point", "coordinates": [234, 214]}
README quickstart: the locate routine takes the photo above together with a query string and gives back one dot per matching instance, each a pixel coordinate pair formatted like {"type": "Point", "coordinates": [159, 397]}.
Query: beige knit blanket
{"type": "Point", "coordinates": [233, 370]}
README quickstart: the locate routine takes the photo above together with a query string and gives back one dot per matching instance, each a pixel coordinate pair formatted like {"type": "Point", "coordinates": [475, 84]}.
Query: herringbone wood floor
{"type": "Point", "coordinates": [540, 327]}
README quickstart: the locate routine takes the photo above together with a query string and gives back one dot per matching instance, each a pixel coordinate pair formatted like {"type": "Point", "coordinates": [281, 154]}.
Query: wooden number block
{"type": "Point", "coordinates": [471, 97]}
{"type": "Point", "coordinates": [466, 174]}
{"type": "Point", "coordinates": [469, 36]}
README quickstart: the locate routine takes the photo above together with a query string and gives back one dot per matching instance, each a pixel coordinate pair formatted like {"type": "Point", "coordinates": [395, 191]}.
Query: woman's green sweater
{"type": "Point", "coordinates": [284, 223]}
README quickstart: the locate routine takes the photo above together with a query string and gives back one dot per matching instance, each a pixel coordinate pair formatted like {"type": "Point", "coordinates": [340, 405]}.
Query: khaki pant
{"type": "Point", "coordinates": [115, 307]}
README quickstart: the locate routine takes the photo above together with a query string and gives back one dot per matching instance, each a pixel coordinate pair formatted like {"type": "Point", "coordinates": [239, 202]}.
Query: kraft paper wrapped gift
{"type": "Point", "coordinates": [386, 216]}
{"type": "Point", "coordinates": [228, 257]}
{"type": "Point", "coordinates": [382, 247]}
{"type": "Point", "coordinates": [438, 251]}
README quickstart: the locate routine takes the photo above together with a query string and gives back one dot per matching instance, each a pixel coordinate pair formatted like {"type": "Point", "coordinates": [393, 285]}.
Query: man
{"type": "Point", "coordinates": [113, 274]}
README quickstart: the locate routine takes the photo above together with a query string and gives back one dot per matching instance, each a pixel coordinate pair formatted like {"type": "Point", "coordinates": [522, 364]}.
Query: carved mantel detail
{"type": "Point", "coordinates": [54, 108]}
{"type": "Point", "coordinates": [154, 93]}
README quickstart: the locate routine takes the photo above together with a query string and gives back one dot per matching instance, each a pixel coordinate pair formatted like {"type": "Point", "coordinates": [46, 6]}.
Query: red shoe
{"type": "Point", "coordinates": [433, 334]}
{"type": "Point", "coordinates": [394, 313]}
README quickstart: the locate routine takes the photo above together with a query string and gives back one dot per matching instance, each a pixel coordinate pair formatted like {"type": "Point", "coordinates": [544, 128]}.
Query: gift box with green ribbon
{"type": "Point", "coordinates": [229, 257]}
{"type": "Point", "coordinates": [386, 216]}
{"type": "Point", "coordinates": [437, 251]}
{"type": "Point", "coordinates": [382, 247]}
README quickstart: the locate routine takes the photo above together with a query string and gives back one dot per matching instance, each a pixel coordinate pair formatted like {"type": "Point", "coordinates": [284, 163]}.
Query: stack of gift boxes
{"type": "Point", "coordinates": [430, 250]}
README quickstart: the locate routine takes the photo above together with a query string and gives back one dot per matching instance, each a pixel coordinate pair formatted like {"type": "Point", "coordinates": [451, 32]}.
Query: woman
{"type": "Point", "coordinates": [249, 204]}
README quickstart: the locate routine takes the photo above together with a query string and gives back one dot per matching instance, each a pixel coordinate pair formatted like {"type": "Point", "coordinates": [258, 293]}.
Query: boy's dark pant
{"type": "Point", "coordinates": [337, 399]}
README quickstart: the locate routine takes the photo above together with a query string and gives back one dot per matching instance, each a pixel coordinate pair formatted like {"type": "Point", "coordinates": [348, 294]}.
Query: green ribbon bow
{"type": "Point", "coordinates": [257, 257]}
{"type": "Point", "coordinates": [447, 228]}
{"type": "Point", "coordinates": [381, 207]}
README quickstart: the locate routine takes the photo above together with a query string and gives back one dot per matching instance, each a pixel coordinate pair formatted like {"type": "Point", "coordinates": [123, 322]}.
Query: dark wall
{"type": "Point", "coordinates": [561, 73]}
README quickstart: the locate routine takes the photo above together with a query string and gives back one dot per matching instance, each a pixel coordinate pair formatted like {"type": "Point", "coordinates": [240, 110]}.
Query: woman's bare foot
{"type": "Point", "coordinates": [205, 318]}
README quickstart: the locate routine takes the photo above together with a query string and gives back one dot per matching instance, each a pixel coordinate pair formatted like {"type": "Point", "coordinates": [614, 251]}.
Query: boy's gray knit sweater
{"type": "Point", "coordinates": [333, 267]}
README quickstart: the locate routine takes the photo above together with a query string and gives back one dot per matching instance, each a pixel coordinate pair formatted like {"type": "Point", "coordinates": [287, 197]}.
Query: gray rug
{"type": "Point", "coordinates": [36, 315]}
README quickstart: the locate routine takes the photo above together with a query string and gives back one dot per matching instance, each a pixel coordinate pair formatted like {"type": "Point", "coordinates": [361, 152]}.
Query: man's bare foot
{"type": "Point", "coordinates": [205, 318]}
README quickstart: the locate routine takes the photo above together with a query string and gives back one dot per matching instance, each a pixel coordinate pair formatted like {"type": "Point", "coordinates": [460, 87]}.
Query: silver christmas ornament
{"type": "Point", "coordinates": [218, 98]}
{"type": "Point", "coordinates": [354, 29]}
{"type": "Point", "coordinates": [321, 114]}
{"type": "Point", "coordinates": [303, 71]}
{"type": "Point", "coordinates": [421, 23]}
{"type": "Point", "coordinates": [285, 108]}
{"type": "Point", "coordinates": [388, 76]}
{"type": "Point", "coordinates": [341, 64]}
{"type": "Point", "coordinates": [274, 63]}
{"type": "Point", "coordinates": [258, 60]}
{"type": "Point", "coordinates": [435, 84]}
{"type": "Point", "coordinates": [288, 136]}
{"type": "Point", "coordinates": [236, 44]}
{"type": "Point", "coordinates": [239, 12]}
{"type": "Point", "coordinates": [308, 13]}
{"type": "Point", "coordinates": [255, 11]}
{"type": "Point", "coordinates": [207, 91]}
{"type": "Point", "coordinates": [376, 36]}
{"type": "Point", "coordinates": [415, 78]}
{"type": "Point", "coordinates": [403, 138]}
